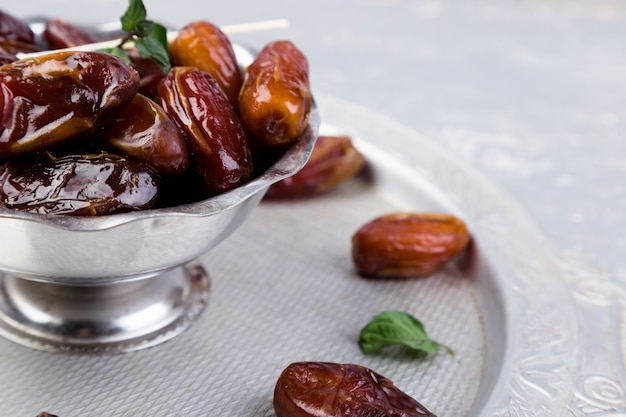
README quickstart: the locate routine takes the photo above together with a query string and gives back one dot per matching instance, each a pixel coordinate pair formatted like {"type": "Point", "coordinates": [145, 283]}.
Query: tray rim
{"type": "Point", "coordinates": [539, 362]}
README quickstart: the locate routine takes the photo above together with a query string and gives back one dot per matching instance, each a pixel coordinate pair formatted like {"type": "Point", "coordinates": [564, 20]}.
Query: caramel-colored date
{"type": "Point", "coordinates": [408, 245]}
{"type": "Point", "coordinates": [203, 45]}
{"type": "Point", "coordinates": [213, 133]}
{"type": "Point", "coordinates": [61, 34]}
{"type": "Point", "coordinates": [78, 185]}
{"type": "Point", "coordinates": [52, 98]}
{"type": "Point", "coordinates": [324, 389]}
{"type": "Point", "coordinates": [333, 161]}
{"type": "Point", "coordinates": [275, 98]}
{"type": "Point", "coordinates": [144, 131]}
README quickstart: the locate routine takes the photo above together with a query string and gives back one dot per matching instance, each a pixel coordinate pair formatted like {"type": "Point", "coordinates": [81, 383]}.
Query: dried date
{"type": "Point", "coordinates": [324, 389]}
{"type": "Point", "coordinates": [275, 98]}
{"type": "Point", "coordinates": [6, 57]}
{"type": "Point", "coordinates": [408, 245]}
{"type": "Point", "coordinates": [213, 133]}
{"type": "Point", "coordinates": [61, 34]}
{"type": "Point", "coordinates": [14, 47]}
{"type": "Point", "coordinates": [78, 185]}
{"type": "Point", "coordinates": [144, 131]}
{"type": "Point", "coordinates": [14, 29]}
{"type": "Point", "coordinates": [333, 161]}
{"type": "Point", "coordinates": [53, 98]}
{"type": "Point", "coordinates": [150, 73]}
{"type": "Point", "coordinates": [203, 45]}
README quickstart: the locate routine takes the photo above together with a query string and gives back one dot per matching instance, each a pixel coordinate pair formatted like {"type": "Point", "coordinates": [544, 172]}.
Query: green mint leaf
{"type": "Point", "coordinates": [397, 328]}
{"type": "Point", "coordinates": [159, 32]}
{"type": "Point", "coordinates": [150, 38]}
{"type": "Point", "coordinates": [154, 49]}
{"type": "Point", "coordinates": [118, 52]}
{"type": "Point", "coordinates": [135, 13]}
{"type": "Point", "coordinates": [144, 28]}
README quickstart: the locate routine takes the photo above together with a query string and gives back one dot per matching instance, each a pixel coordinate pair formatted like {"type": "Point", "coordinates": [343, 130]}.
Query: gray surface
{"type": "Point", "coordinates": [532, 93]}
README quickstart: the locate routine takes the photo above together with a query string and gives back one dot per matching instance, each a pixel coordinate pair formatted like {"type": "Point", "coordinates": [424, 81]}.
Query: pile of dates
{"type": "Point", "coordinates": [84, 133]}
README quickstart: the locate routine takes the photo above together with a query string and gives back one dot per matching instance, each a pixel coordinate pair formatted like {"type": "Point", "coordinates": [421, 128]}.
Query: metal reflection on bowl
{"type": "Point", "coordinates": [50, 263]}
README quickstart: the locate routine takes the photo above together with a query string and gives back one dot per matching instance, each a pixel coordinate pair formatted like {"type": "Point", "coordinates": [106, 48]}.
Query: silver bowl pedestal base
{"type": "Point", "coordinates": [109, 318]}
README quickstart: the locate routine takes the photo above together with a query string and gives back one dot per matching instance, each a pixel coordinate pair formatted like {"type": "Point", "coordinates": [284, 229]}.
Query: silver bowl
{"type": "Point", "coordinates": [121, 282]}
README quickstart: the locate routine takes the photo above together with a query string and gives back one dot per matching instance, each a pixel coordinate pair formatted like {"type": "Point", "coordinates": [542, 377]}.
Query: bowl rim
{"type": "Point", "coordinates": [294, 158]}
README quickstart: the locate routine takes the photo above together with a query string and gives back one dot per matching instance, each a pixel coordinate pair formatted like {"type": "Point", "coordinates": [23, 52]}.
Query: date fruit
{"type": "Point", "coordinates": [275, 98]}
{"type": "Point", "coordinates": [213, 133]}
{"type": "Point", "coordinates": [14, 29]}
{"type": "Point", "coordinates": [203, 45]}
{"type": "Point", "coordinates": [325, 389]}
{"type": "Point", "coordinates": [61, 34]}
{"type": "Point", "coordinates": [150, 73]}
{"type": "Point", "coordinates": [79, 185]}
{"type": "Point", "coordinates": [55, 97]}
{"type": "Point", "coordinates": [334, 160]}
{"type": "Point", "coordinates": [405, 245]}
{"type": "Point", "coordinates": [6, 57]}
{"type": "Point", "coordinates": [144, 131]}
{"type": "Point", "coordinates": [14, 47]}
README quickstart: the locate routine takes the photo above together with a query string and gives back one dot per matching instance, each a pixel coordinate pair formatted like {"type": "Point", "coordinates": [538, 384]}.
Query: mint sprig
{"type": "Point", "coordinates": [134, 15]}
{"type": "Point", "coordinates": [397, 328]}
{"type": "Point", "coordinates": [150, 38]}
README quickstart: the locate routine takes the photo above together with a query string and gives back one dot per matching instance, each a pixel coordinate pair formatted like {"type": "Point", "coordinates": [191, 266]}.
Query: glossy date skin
{"type": "Point", "coordinates": [61, 34]}
{"type": "Point", "coordinates": [203, 45]}
{"type": "Point", "coordinates": [14, 47]}
{"type": "Point", "coordinates": [78, 185]}
{"type": "Point", "coordinates": [214, 136]}
{"type": "Point", "coordinates": [144, 131]}
{"type": "Point", "coordinates": [408, 244]}
{"type": "Point", "coordinates": [324, 389]}
{"type": "Point", "coordinates": [15, 37]}
{"type": "Point", "coordinates": [14, 29]}
{"type": "Point", "coordinates": [150, 73]}
{"type": "Point", "coordinates": [6, 57]}
{"type": "Point", "coordinates": [53, 98]}
{"type": "Point", "coordinates": [333, 161]}
{"type": "Point", "coordinates": [275, 98]}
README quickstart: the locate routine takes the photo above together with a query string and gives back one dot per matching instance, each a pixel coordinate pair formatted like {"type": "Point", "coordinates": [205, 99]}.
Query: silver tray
{"type": "Point", "coordinates": [535, 333]}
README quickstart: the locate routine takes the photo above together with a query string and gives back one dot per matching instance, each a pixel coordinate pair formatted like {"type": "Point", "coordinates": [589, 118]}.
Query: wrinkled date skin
{"type": "Point", "coordinates": [52, 98]}
{"type": "Point", "coordinates": [405, 245]}
{"type": "Point", "coordinates": [333, 161]}
{"type": "Point", "coordinates": [79, 185]}
{"type": "Point", "coordinates": [61, 34]}
{"type": "Point", "coordinates": [214, 136]}
{"type": "Point", "coordinates": [275, 98]}
{"type": "Point", "coordinates": [324, 389]}
{"type": "Point", "coordinates": [144, 131]}
{"type": "Point", "coordinates": [203, 45]}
